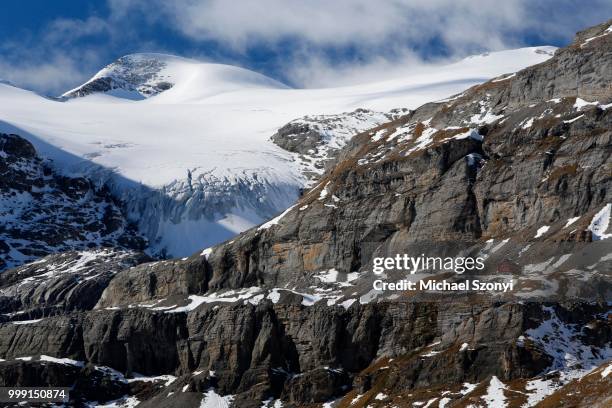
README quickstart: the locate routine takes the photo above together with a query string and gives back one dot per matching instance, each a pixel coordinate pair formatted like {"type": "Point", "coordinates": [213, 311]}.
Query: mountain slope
{"type": "Point", "coordinates": [141, 76]}
{"type": "Point", "coordinates": [42, 212]}
{"type": "Point", "coordinates": [194, 163]}
{"type": "Point", "coordinates": [515, 170]}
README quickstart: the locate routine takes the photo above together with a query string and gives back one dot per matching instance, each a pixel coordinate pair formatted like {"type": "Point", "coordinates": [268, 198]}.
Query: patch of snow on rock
{"type": "Point", "coordinates": [275, 221]}
{"type": "Point", "coordinates": [600, 223]}
{"type": "Point", "coordinates": [213, 400]}
{"type": "Point", "coordinates": [495, 394]}
{"type": "Point", "coordinates": [329, 276]}
{"type": "Point", "coordinates": [541, 231]}
{"type": "Point", "coordinates": [570, 221]}
{"type": "Point", "coordinates": [581, 103]}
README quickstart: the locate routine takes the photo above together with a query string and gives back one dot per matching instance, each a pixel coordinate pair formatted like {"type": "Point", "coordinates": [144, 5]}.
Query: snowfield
{"type": "Point", "coordinates": [186, 145]}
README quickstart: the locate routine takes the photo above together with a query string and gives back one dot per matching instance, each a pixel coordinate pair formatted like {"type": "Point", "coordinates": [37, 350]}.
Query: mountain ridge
{"type": "Point", "coordinates": [149, 74]}
{"type": "Point", "coordinates": [210, 146]}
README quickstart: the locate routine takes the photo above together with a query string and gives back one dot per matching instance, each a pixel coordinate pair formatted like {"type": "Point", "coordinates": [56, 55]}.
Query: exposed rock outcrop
{"type": "Point", "coordinates": [306, 354]}
{"type": "Point", "coordinates": [61, 283]}
{"type": "Point", "coordinates": [137, 73]}
{"type": "Point", "coordinates": [317, 140]}
{"type": "Point", "coordinates": [44, 212]}
{"type": "Point", "coordinates": [499, 170]}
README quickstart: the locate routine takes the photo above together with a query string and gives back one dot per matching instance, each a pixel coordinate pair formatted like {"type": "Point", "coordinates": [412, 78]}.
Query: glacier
{"type": "Point", "coordinates": [186, 145]}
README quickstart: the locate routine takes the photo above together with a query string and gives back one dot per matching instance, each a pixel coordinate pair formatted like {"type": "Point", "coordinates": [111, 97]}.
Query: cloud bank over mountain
{"type": "Point", "coordinates": [309, 44]}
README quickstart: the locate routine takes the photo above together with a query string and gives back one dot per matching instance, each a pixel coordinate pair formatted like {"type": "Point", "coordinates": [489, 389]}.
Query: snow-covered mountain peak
{"type": "Point", "coordinates": [142, 75]}
{"type": "Point", "coordinates": [195, 163]}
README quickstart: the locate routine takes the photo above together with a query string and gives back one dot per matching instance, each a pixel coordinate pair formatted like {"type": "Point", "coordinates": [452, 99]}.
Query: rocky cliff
{"type": "Point", "coordinates": [516, 170]}
{"type": "Point", "coordinates": [317, 140]}
{"type": "Point", "coordinates": [43, 212]}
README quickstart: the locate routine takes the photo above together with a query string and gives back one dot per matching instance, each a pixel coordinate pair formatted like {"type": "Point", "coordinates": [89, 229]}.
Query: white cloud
{"type": "Point", "coordinates": [363, 23]}
{"type": "Point", "coordinates": [316, 70]}
{"type": "Point", "coordinates": [311, 42]}
{"type": "Point", "coordinates": [245, 23]}
{"type": "Point", "coordinates": [64, 30]}
{"type": "Point", "coordinates": [52, 63]}
{"type": "Point", "coordinates": [381, 34]}
{"type": "Point", "coordinates": [66, 52]}
{"type": "Point", "coordinates": [51, 76]}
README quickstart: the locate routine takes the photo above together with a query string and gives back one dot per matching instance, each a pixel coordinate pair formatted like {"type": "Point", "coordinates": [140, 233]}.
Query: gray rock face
{"type": "Point", "coordinates": [303, 354]}
{"type": "Point", "coordinates": [297, 137]}
{"type": "Point", "coordinates": [500, 162]}
{"type": "Point", "coordinates": [43, 212]}
{"type": "Point", "coordinates": [136, 341]}
{"type": "Point", "coordinates": [317, 140]}
{"type": "Point", "coordinates": [61, 283]}
{"type": "Point", "coordinates": [161, 279]}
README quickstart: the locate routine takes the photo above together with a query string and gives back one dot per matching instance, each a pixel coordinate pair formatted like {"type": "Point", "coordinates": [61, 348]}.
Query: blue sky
{"type": "Point", "coordinates": [51, 46]}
